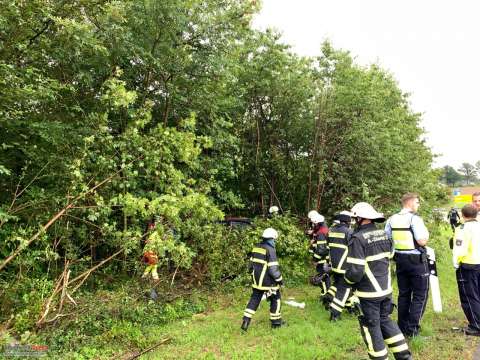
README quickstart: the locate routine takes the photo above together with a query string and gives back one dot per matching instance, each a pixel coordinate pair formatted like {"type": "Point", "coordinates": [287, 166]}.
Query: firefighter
{"type": "Point", "coordinates": [319, 250]}
{"type": "Point", "coordinates": [338, 237]}
{"type": "Point", "coordinates": [410, 236]}
{"type": "Point", "coordinates": [266, 279]}
{"type": "Point", "coordinates": [309, 231]}
{"type": "Point", "coordinates": [316, 279]}
{"type": "Point", "coordinates": [368, 271]}
{"type": "Point", "coordinates": [466, 260]}
{"type": "Point", "coordinates": [273, 211]}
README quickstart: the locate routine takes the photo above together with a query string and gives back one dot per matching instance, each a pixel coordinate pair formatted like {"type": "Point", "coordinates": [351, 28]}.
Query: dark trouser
{"type": "Point", "coordinates": [412, 279]}
{"type": "Point", "coordinates": [378, 329]}
{"type": "Point", "coordinates": [325, 283]}
{"type": "Point", "coordinates": [468, 282]}
{"type": "Point", "coordinates": [340, 291]}
{"type": "Point", "coordinates": [275, 305]}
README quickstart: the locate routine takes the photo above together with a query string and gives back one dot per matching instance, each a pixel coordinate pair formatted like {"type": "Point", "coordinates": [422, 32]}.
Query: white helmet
{"type": "Point", "coordinates": [312, 213]}
{"type": "Point", "coordinates": [270, 233]}
{"type": "Point", "coordinates": [273, 209]}
{"type": "Point", "coordinates": [366, 211]}
{"type": "Point", "coordinates": [317, 218]}
{"type": "Point", "coordinates": [345, 212]}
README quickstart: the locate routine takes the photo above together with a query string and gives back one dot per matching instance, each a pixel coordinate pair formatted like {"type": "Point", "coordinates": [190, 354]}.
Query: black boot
{"type": "Point", "coordinates": [277, 324]}
{"type": "Point", "coordinates": [326, 300]}
{"type": "Point", "coordinates": [407, 356]}
{"type": "Point", "coordinates": [334, 316]}
{"type": "Point", "coordinates": [472, 331]}
{"type": "Point", "coordinates": [245, 323]}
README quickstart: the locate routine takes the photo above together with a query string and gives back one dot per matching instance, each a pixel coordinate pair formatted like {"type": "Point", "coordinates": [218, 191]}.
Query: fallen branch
{"type": "Point", "coordinates": [83, 276]}
{"type": "Point", "coordinates": [56, 217]}
{"type": "Point", "coordinates": [41, 321]}
{"type": "Point", "coordinates": [136, 356]}
{"type": "Point", "coordinates": [64, 291]}
{"type": "Point", "coordinates": [173, 277]}
{"type": "Point", "coordinates": [57, 316]}
{"type": "Point", "coordinates": [64, 278]}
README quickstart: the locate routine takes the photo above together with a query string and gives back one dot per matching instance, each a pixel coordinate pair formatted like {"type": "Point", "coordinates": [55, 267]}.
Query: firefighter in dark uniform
{"type": "Point", "coordinates": [338, 237]}
{"type": "Point", "coordinates": [466, 260]}
{"type": "Point", "coordinates": [320, 252]}
{"type": "Point", "coordinates": [368, 272]}
{"type": "Point", "coordinates": [266, 279]}
{"type": "Point", "coordinates": [309, 231]}
{"type": "Point", "coordinates": [410, 236]}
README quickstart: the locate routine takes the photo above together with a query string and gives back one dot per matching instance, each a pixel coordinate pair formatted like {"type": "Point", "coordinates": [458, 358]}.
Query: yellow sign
{"type": "Point", "coordinates": [462, 199]}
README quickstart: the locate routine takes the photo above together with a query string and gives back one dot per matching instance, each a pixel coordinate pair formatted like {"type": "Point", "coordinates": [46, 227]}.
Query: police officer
{"type": "Point", "coordinates": [466, 260]}
{"type": "Point", "coordinates": [338, 237]}
{"type": "Point", "coordinates": [320, 252]}
{"type": "Point", "coordinates": [476, 203]}
{"type": "Point", "coordinates": [266, 279]}
{"type": "Point", "coordinates": [454, 218]}
{"type": "Point", "coordinates": [410, 236]}
{"type": "Point", "coordinates": [368, 271]}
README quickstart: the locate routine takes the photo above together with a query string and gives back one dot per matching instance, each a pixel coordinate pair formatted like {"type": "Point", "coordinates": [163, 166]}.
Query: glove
{"type": "Point", "coordinates": [327, 267]}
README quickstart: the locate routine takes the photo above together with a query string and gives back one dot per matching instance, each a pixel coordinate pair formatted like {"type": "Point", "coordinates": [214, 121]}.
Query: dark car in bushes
{"type": "Point", "coordinates": [237, 222]}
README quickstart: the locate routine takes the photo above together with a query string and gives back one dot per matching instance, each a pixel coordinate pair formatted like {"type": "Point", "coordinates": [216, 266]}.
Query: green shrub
{"type": "Point", "coordinates": [225, 250]}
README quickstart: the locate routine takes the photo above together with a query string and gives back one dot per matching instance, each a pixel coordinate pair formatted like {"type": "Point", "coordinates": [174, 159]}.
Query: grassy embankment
{"type": "Point", "coordinates": [309, 334]}
{"type": "Point", "coordinates": [120, 323]}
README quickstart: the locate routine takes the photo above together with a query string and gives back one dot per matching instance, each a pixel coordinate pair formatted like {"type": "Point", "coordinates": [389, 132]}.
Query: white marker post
{"type": "Point", "coordinates": [434, 284]}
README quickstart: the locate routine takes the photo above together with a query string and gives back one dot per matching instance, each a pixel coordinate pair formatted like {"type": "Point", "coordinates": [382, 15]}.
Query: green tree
{"type": "Point", "coordinates": [450, 176]}
{"type": "Point", "coordinates": [477, 167]}
{"type": "Point", "coordinates": [469, 172]}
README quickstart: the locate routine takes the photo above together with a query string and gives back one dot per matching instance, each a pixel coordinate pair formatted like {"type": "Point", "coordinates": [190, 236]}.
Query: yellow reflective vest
{"type": "Point", "coordinates": [402, 233]}
{"type": "Point", "coordinates": [466, 244]}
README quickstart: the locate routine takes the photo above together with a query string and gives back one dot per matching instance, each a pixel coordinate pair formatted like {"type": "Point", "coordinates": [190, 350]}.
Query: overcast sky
{"type": "Point", "coordinates": [431, 47]}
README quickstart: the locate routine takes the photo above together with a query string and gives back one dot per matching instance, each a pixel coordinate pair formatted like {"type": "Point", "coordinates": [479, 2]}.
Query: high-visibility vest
{"type": "Point", "coordinates": [467, 235]}
{"type": "Point", "coordinates": [402, 233]}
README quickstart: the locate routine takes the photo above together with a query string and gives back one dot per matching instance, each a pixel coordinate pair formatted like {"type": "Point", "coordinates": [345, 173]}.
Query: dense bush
{"type": "Point", "coordinates": [226, 250]}
{"type": "Point", "coordinates": [114, 113]}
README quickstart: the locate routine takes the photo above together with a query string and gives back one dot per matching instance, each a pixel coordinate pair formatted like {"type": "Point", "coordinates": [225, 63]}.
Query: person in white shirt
{"type": "Point", "coordinates": [410, 236]}
{"type": "Point", "coordinates": [466, 261]}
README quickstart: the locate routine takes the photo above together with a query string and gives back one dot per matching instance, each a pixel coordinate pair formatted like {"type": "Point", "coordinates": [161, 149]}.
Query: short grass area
{"type": "Point", "coordinates": [309, 334]}
{"type": "Point", "coordinates": [122, 323]}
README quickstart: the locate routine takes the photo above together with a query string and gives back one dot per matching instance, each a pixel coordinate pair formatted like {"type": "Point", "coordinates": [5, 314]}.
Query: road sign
{"type": "Point", "coordinates": [461, 200]}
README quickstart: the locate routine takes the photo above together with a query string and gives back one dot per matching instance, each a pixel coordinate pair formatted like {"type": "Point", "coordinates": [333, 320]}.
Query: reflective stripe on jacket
{"type": "Point", "coordinates": [338, 238]}
{"type": "Point", "coordinates": [368, 262]}
{"type": "Point", "coordinates": [264, 267]}
{"type": "Point", "coordinates": [319, 247]}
